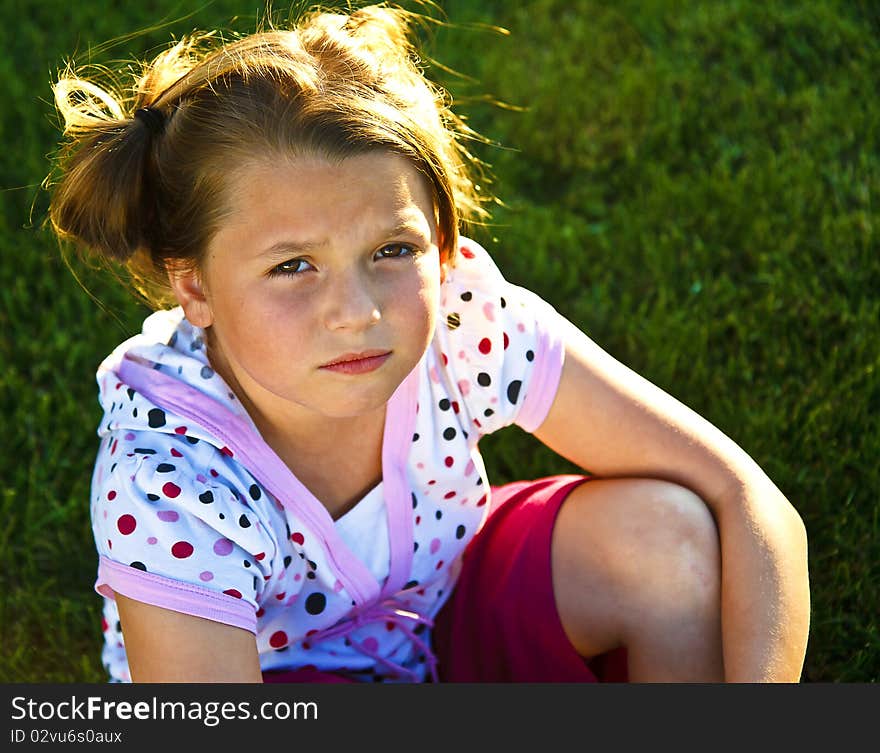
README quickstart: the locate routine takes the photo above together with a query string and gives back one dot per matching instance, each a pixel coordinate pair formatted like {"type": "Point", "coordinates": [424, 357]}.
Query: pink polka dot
{"type": "Point", "coordinates": [489, 310]}
{"type": "Point", "coordinates": [126, 524]}
{"type": "Point", "coordinates": [278, 640]}
{"type": "Point", "coordinates": [420, 466]}
{"type": "Point", "coordinates": [485, 345]}
{"type": "Point", "coordinates": [435, 546]}
{"type": "Point", "coordinates": [469, 468]}
{"type": "Point", "coordinates": [462, 355]}
{"type": "Point", "coordinates": [434, 376]}
{"type": "Point", "coordinates": [297, 538]}
{"type": "Point", "coordinates": [371, 644]}
{"type": "Point", "coordinates": [337, 586]}
{"type": "Point", "coordinates": [521, 327]}
{"type": "Point", "coordinates": [464, 387]}
{"type": "Point", "coordinates": [206, 576]}
{"type": "Point", "coordinates": [152, 540]}
{"type": "Point", "coordinates": [129, 437]}
{"type": "Point", "coordinates": [182, 550]}
{"type": "Point", "coordinates": [291, 600]}
{"type": "Point", "coordinates": [201, 479]}
{"type": "Point", "coordinates": [222, 547]}
{"type": "Point", "coordinates": [298, 577]}
{"type": "Point", "coordinates": [105, 514]}
{"type": "Point", "coordinates": [169, 516]}
{"type": "Point", "coordinates": [171, 490]}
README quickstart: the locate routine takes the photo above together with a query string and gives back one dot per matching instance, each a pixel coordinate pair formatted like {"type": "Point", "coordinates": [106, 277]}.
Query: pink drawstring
{"type": "Point", "coordinates": [383, 611]}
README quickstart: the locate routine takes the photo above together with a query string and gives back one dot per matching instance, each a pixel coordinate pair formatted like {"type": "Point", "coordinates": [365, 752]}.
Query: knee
{"type": "Point", "coordinates": [650, 553]}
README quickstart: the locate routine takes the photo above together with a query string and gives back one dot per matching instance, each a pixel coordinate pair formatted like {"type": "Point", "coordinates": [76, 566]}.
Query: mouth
{"type": "Point", "coordinates": [358, 363]}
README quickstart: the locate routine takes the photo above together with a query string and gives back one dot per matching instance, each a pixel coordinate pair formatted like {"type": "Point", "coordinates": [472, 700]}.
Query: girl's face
{"type": "Point", "coordinates": [318, 263]}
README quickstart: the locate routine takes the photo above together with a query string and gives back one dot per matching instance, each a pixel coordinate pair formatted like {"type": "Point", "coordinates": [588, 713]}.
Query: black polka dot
{"type": "Point", "coordinates": [207, 372]}
{"type": "Point", "coordinates": [444, 404]}
{"type": "Point", "coordinates": [438, 514]}
{"type": "Point", "coordinates": [164, 468]}
{"type": "Point", "coordinates": [503, 303]}
{"type": "Point", "coordinates": [467, 295]}
{"type": "Point", "coordinates": [156, 418]}
{"type": "Point", "coordinates": [191, 440]}
{"type": "Point", "coordinates": [483, 379]}
{"type": "Point", "coordinates": [459, 532]}
{"type": "Point", "coordinates": [287, 560]}
{"type": "Point", "coordinates": [513, 390]}
{"type": "Point", "coordinates": [138, 565]}
{"type": "Point", "coordinates": [130, 392]}
{"type": "Point", "coordinates": [415, 546]}
{"type": "Point", "coordinates": [244, 522]}
{"type": "Point", "coordinates": [415, 437]}
{"type": "Point", "coordinates": [311, 576]}
{"type": "Point", "coordinates": [247, 563]}
{"type": "Point", "coordinates": [152, 497]}
{"type": "Point", "coordinates": [134, 413]}
{"type": "Point", "coordinates": [316, 603]}
{"type": "Point", "coordinates": [411, 584]}
{"type": "Point", "coordinates": [222, 516]}
{"type": "Point", "coordinates": [144, 451]}
{"type": "Point", "coordinates": [255, 492]}
{"type": "Point", "coordinates": [118, 626]}
{"type": "Point", "coordinates": [206, 498]}
{"type": "Point", "coordinates": [488, 412]}
{"type": "Point", "coordinates": [530, 355]}
{"type": "Point", "coordinates": [415, 501]}
{"type": "Point", "coordinates": [449, 433]}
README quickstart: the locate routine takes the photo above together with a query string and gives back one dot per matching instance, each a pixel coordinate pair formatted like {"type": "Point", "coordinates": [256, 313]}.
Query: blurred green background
{"type": "Point", "coordinates": [695, 184]}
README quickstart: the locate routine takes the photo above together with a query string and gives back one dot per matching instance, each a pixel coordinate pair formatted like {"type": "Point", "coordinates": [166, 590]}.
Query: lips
{"type": "Point", "coordinates": [355, 357]}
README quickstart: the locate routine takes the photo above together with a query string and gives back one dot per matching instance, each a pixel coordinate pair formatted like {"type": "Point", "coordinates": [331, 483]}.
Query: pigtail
{"type": "Point", "coordinates": [102, 199]}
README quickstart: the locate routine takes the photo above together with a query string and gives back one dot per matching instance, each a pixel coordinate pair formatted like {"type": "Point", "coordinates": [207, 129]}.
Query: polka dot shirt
{"type": "Point", "coordinates": [192, 512]}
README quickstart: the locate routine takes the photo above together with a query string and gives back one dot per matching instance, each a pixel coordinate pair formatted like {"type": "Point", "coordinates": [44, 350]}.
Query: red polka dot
{"type": "Point", "coordinates": [506, 341]}
{"type": "Point", "coordinates": [226, 451]}
{"type": "Point", "coordinates": [113, 446]}
{"type": "Point", "coordinates": [455, 407]}
{"type": "Point", "coordinates": [445, 359]}
{"type": "Point", "coordinates": [126, 524]}
{"type": "Point", "coordinates": [298, 538]}
{"type": "Point", "coordinates": [449, 495]}
{"type": "Point", "coordinates": [485, 345]}
{"type": "Point", "coordinates": [180, 430]}
{"type": "Point", "coordinates": [281, 595]}
{"type": "Point", "coordinates": [233, 592]}
{"type": "Point", "coordinates": [482, 501]}
{"type": "Point", "coordinates": [418, 519]}
{"type": "Point", "coordinates": [171, 490]}
{"type": "Point", "coordinates": [111, 494]}
{"type": "Point", "coordinates": [177, 453]}
{"type": "Point", "coordinates": [109, 543]}
{"type": "Point", "coordinates": [182, 550]}
{"type": "Point", "coordinates": [449, 461]}
{"type": "Point", "coordinates": [466, 253]}
{"type": "Point", "coordinates": [214, 473]}
{"type": "Point", "coordinates": [439, 564]}
{"type": "Point", "coordinates": [261, 612]}
{"type": "Point", "coordinates": [260, 556]}
{"type": "Point", "coordinates": [278, 640]}
{"type": "Point", "coordinates": [104, 625]}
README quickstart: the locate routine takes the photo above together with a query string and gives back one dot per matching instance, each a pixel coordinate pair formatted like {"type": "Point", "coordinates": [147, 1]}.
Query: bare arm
{"type": "Point", "coordinates": [614, 423]}
{"type": "Point", "coordinates": [167, 646]}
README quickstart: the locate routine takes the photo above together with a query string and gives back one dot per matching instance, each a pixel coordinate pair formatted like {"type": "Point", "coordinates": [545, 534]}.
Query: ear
{"type": "Point", "coordinates": [190, 293]}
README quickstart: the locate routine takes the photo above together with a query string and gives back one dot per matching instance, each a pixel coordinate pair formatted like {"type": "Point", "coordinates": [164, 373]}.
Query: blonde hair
{"type": "Point", "coordinates": [150, 195]}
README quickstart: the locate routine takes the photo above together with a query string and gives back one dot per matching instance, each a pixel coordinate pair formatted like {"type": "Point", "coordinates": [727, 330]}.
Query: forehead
{"type": "Point", "coordinates": [313, 194]}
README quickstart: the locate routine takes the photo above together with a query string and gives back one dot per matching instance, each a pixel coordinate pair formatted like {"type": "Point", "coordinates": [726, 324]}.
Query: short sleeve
{"type": "Point", "coordinates": [170, 531]}
{"type": "Point", "coordinates": [501, 346]}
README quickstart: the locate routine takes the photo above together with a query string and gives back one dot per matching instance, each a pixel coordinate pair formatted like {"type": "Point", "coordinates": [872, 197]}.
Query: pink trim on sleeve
{"type": "Point", "coordinates": [172, 594]}
{"type": "Point", "coordinates": [544, 383]}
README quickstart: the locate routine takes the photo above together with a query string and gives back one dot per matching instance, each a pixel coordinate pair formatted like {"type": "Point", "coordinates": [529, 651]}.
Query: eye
{"type": "Point", "coordinates": [395, 251]}
{"type": "Point", "coordinates": [290, 268]}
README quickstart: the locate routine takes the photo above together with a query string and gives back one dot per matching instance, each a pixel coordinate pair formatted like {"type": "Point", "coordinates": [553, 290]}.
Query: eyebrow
{"type": "Point", "coordinates": [304, 247]}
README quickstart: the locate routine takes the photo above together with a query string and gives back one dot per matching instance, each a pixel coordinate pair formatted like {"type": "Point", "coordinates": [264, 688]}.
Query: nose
{"type": "Point", "coordinates": [351, 302]}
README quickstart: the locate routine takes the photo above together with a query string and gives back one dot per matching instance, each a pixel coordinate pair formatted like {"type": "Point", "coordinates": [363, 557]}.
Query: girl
{"type": "Point", "coordinates": [288, 485]}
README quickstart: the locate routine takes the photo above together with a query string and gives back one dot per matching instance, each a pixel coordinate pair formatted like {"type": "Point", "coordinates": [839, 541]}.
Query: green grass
{"type": "Point", "coordinates": [694, 184]}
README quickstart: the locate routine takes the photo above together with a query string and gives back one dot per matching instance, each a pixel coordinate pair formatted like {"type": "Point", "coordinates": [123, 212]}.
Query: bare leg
{"type": "Point", "coordinates": [636, 563]}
